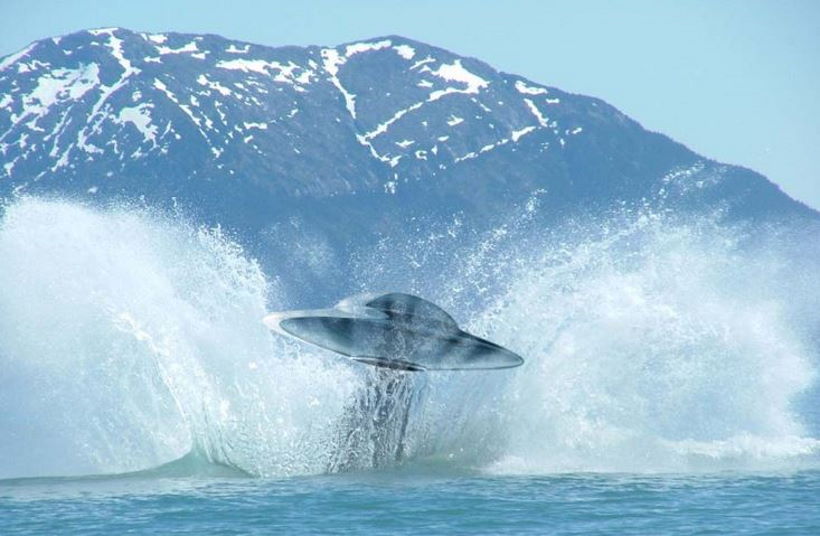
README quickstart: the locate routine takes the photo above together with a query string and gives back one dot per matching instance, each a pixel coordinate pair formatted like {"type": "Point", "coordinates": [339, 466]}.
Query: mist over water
{"type": "Point", "coordinates": [129, 339]}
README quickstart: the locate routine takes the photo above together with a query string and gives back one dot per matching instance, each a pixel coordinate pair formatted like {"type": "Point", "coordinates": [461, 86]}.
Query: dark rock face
{"type": "Point", "coordinates": [343, 143]}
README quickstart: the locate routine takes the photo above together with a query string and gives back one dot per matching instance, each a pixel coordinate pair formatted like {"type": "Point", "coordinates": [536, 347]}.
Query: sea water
{"type": "Point", "coordinates": [418, 501]}
{"type": "Point", "coordinates": [669, 383]}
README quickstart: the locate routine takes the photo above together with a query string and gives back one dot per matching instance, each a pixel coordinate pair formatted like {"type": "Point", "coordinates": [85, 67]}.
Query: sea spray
{"type": "Point", "coordinates": [129, 339]}
{"type": "Point", "coordinates": [653, 343]}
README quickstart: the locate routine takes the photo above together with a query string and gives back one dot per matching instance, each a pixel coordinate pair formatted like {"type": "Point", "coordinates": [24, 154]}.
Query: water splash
{"type": "Point", "coordinates": [130, 339]}
{"type": "Point", "coordinates": [653, 345]}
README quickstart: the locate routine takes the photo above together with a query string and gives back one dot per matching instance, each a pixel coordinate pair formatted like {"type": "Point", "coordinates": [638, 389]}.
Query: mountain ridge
{"type": "Point", "coordinates": [184, 116]}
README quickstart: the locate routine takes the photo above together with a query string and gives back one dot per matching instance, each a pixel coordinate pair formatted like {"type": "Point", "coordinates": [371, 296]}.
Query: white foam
{"type": "Point", "coordinates": [650, 363]}
{"type": "Point", "coordinates": [650, 345]}
{"type": "Point", "coordinates": [129, 340]}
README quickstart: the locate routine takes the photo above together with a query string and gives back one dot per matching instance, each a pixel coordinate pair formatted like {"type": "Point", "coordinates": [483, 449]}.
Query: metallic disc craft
{"type": "Point", "coordinates": [395, 331]}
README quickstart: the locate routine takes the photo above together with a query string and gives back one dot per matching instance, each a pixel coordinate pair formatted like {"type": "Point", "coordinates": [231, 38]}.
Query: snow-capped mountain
{"type": "Point", "coordinates": [329, 148]}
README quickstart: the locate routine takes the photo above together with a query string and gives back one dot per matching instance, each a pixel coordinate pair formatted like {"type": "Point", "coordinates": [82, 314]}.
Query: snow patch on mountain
{"type": "Point", "coordinates": [186, 48]}
{"type": "Point", "coordinates": [358, 48]}
{"type": "Point", "coordinates": [518, 134]}
{"type": "Point", "coordinates": [140, 117]}
{"type": "Point", "coordinates": [525, 89]}
{"type": "Point", "coordinates": [156, 38]}
{"type": "Point", "coordinates": [405, 51]}
{"type": "Point", "coordinates": [455, 72]}
{"type": "Point", "coordinates": [542, 119]}
{"type": "Point", "coordinates": [233, 49]}
{"type": "Point", "coordinates": [314, 121]}
{"type": "Point", "coordinates": [289, 73]}
{"type": "Point", "coordinates": [60, 85]}
{"type": "Point", "coordinates": [216, 86]}
{"type": "Point", "coordinates": [17, 56]}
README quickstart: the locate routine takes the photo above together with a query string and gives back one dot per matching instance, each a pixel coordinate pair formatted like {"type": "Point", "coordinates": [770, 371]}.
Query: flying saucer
{"type": "Point", "coordinates": [395, 330]}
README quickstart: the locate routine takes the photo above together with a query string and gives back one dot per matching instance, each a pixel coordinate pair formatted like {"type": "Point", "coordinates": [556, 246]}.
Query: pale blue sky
{"type": "Point", "coordinates": [735, 80]}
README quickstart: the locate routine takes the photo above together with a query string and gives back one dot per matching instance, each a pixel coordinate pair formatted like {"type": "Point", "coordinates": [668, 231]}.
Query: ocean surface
{"type": "Point", "coordinates": [670, 382]}
{"type": "Point", "coordinates": [417, 501]}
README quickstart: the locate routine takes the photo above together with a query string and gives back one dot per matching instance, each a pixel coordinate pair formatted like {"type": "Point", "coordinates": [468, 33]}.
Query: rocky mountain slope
{"type": "Point", "coordinates": [369, 133]}
{"type": "Point", "coordinates": [114, 111]}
